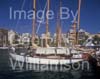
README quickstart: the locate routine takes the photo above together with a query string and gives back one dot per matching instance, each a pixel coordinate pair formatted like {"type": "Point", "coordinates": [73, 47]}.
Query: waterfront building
{"type": "Point", "coordinates": [73, 34]}
{"type": "Point", "coordinates": [81, 34]}
{"type": "Point", "coordinates": [64, 39]}
{"type": "Point", "coordinates": [11, 37]}
{"type": "Point", "coordinates": [43, 38]}
{"type": "Point", "coordinates": [25, 38]}
{"type": "Point", "coordinates": [3, 37]}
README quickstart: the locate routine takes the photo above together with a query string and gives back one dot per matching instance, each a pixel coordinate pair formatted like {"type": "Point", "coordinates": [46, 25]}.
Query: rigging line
{"type": "Point", "coordinates": [44, 12]}
{"type": "Point", "coordinates": [21, 9]}
{"type": "Point", "coordinates": [42, 18]}
{"type": "Point", "coordinates": [39, 4]}
{"type": "Point", "coordinates": [40, 7]}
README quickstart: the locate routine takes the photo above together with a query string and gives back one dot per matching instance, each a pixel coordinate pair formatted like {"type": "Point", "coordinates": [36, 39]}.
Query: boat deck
{"type": "Point", "coordinates": [53, 56]}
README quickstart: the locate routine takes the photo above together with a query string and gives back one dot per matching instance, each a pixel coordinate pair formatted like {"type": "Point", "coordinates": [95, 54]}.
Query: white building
{"type": "Point", "coordinates": [11, 36]}
{"type": "Point", "coordinates": [25, 38]}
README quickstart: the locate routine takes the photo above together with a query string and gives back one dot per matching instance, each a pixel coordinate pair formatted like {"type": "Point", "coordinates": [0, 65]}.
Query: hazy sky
{"type": "Point", "coordinates": [90, 15]}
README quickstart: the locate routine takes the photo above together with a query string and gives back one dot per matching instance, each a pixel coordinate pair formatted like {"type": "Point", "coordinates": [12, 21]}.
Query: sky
{"type": "Point", "coordinates": [89, 20]}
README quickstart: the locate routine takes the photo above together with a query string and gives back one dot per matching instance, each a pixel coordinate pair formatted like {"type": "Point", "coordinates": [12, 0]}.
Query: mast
{"type": "Point", "coordinates": [47, 24]}
{"type": "Point", "coordinates": [78, 24]}
{"type": "Point", "coordinates": [34, 25]}
{"type": "Point", "coordinates": [58, 37]}
{"type": "Point", "coordinates": [74, 26]}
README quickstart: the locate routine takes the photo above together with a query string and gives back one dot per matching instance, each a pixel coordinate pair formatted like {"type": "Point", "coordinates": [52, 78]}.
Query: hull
{"type": "Point", "coordinates": [3, 47]}
{"type": "Point", "coordinates": [37, 60]}
{"type": "Point", "coordinates": [24, 63]}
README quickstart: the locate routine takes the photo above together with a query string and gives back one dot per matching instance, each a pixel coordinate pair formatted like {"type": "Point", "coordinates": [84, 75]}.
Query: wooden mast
{"type": "Point", "coordinates": [79, 7]}
{"type": "Point", "coordinates": [34, 25]}
{"type": "Point", "coordinates": [58, 37]}
{"type": "Point", "coordinates": [47, 24]}
{"type": "Point", "coordinates": [78, 24]}
{"type": "Point", "coordinates": [58, 32]}
{"type": "Point", "coordinates": [74, 26]}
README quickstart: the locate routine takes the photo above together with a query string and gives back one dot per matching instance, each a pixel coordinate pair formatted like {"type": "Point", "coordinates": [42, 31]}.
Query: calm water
{"type": "Point", "coordinates": [7, 73]}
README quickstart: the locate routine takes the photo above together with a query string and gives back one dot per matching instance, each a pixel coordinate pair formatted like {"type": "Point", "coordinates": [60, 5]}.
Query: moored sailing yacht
{"type": "Point", "coordinates": [49, 55]}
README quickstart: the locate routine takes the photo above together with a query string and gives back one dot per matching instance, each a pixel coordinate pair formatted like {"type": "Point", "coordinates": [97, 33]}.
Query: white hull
{"type": "Point", "coordinates": [46, 61]}
{"type": "Point", "coordinates": [3, 47]}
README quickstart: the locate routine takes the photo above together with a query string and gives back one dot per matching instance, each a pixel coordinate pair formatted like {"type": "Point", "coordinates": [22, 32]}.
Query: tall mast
{"type": "Point", "coordinates": [74, 26]}
{"type": "Point", "coordinates": [58, 37]}
{"type": "Point", "coordinates": [79, 9]}
{"type": "Point", "coordinates": [47, 24]}
{"type": "Point", "coordinates": [34, 25]}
